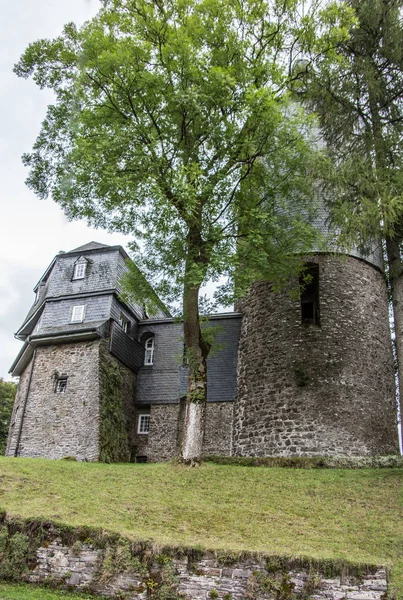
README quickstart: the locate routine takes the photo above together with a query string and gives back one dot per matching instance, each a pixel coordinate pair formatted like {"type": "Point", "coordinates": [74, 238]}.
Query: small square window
{"type": "Point", "coordinates": [79, 270]}
{"type": "Point", "coordinates": [144, 424]}
{"type": "Point", "coordinates": [77, 314]}
{"type": "Point", "coordinates": [61, 385]}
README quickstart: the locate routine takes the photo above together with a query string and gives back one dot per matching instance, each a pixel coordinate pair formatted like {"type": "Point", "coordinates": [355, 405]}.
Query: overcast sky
{"type": "Point", "coordinates": [32, 231]}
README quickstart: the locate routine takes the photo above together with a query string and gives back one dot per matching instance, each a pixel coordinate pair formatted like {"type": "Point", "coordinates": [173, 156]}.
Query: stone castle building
{"type": "Point", "coordinates": [102, 380]}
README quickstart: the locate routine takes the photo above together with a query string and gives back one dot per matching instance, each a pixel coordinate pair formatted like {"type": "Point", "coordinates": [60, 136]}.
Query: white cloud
{"type": "Point", "coordinates": [32, 232]}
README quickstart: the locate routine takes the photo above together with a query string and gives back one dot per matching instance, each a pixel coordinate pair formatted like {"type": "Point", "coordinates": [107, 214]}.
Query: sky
{"type": "Point", "coordinates": [32, 231]}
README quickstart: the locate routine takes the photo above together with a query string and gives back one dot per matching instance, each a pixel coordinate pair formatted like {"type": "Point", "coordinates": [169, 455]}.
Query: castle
{"type": "Point", "coordinates": [102, 380]}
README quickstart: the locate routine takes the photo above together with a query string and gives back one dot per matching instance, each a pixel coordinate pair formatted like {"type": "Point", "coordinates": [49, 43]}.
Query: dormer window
{"type": "Point", "coordinates": [79, 270]}
{"type": "Point", "coordinates": [77, 314]}
{"type": "Point", "coordinates": [149, 355]}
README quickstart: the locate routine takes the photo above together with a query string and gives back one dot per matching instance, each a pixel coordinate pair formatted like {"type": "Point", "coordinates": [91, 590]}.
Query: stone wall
{"type": "Point", "coordinates": [218, 430]}
{"type": "Point", "coordinates": [203, 578]}
{"type": "Point", "coordinates": [56, 425]}
{"type": "Point", "coordinates": [163, 441]}
{"type": "Point", "coordinates": [309, 390]}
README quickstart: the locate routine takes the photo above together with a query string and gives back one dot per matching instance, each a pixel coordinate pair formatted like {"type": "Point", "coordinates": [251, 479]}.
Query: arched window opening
{"type": "Point", "coordinates": [149, 354]}
{"type": "Point", "coordinates": [309, 282]}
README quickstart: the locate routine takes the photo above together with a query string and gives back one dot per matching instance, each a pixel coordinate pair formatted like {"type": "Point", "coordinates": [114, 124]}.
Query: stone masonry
{"type": "Point", "coordinates": [56, 425]}
{"type": "Point", "coordinates": [310, 390]}
{"type": "Point", "coordinates": [163, 440]}
{"type": "Point", "coordinates": [90, 419]}
{"type": "Point", "coordinates": [201, 579]}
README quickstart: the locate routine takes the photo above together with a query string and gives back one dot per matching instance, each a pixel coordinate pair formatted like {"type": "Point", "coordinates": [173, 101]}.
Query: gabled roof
{"type": "Point", "coordinates": [89, 246]}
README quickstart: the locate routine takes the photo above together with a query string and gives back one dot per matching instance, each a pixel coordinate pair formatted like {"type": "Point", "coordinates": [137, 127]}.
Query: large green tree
{"type": "Point", "coordinates": [8, 390]}
{"type": "Point", "coordinates": [357, 93]}
{"type": "Point", "coordinates": [172, 123]}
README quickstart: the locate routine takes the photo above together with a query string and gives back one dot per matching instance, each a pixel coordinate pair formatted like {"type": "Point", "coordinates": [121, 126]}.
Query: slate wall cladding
{"type": "Point", "coordinates": [61, 424]}
{"type": "Point", "coordinates": [306, 390]}
{"type": "Point", "coordinates": [166, 380]}
{"type": "Point", "coordinates": [55, 314]}
{"type": "Point", "coordinates": [101, 273]}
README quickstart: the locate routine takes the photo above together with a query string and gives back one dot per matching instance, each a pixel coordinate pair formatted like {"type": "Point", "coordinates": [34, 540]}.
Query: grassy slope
{"type": "Point", "coordinates": [350, 514]}
{"type": "Point", "coordinates": [27, 592]}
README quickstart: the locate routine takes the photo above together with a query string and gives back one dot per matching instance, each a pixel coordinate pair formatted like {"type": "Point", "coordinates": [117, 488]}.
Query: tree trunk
{"type": "Point", "coordinates": [393, 254]}
{"type": "Point", "coordinates": [196, 399]}
{"type": "Point", "coordinates": [396, 288]}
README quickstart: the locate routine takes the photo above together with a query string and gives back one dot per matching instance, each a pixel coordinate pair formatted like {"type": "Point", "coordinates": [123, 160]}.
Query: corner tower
{"type": "Point", "coordinates": [79, 361]}
{"type": "Point", "coordinates": [316, 374]}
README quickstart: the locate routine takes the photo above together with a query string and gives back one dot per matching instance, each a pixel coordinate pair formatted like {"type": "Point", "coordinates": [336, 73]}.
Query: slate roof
{"type": "Point", "coordinates": [89, 246]}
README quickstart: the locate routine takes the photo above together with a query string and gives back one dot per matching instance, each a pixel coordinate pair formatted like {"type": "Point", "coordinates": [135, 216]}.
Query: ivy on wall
{"type": "Point", "coordinates": [114, 443]}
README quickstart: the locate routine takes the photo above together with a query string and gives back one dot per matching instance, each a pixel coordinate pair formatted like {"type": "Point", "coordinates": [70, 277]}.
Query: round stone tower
{"type": "Point", "coordinates": [316, 374]}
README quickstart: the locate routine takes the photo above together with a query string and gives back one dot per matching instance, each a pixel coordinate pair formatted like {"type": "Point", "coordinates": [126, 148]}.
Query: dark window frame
{"type": "Point", "coordinates": [309, 295]}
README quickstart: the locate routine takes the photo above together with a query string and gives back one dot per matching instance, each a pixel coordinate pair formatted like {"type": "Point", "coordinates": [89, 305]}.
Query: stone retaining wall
{"type": "Point", "coordinates": [202, 579]}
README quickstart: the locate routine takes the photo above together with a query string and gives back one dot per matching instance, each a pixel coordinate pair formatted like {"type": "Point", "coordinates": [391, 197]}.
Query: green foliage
{"type": "Point", "coordinates": [356, 92]}
{"type": "Point", "coordinates": [8, 391]}
{"type": "Point", "coordinates": [278, 587]}
{"type": "Point", "coordinates": [15, 552]}
{"type": "Point", "coordinates": [118, 558]}
{"type": "Point", "coordinates": [34, 592]}
{"type": "Point", "coordinates": [307, 462]}
{"type": "Point", "coordinates": [113, 434]}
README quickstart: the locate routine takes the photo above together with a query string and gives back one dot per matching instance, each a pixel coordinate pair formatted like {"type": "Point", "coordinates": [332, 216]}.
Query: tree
{"type": "Point", "coordinates": [172, 122]}
{"type": "Point", "coordinates": [8, 389]}
{"type": "Point", "coordinates": [357, 93]}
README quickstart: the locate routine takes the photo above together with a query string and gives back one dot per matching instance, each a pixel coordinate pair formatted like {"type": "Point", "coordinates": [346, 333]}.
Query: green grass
{"type": "Point", "coordinates": [30, 592]}
{"type": "Point", "coordinates": [354, 515]}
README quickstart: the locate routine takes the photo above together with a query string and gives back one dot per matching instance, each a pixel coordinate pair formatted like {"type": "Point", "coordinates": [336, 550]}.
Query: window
{"type": "Point", "coordinates": [61, 385]}
{"type": "Point", "coordinates": [77, 314]}
{"type": "Point", "coordinates": [124, 323]}
{"type": "Point", "coordinates": [309, 282]}
{"type": "Point", "coordinates": [79, 270]}
{"type": "Point", "coordinates": [144, 424]}
{"type": "Point", "coordinates": [149, 355]}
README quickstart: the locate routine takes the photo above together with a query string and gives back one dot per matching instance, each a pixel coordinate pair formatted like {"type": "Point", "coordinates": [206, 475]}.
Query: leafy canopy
{"type": "Point", "coordinates": [172, 123]}
{"type": "Point", "coordinates": [357, 94]}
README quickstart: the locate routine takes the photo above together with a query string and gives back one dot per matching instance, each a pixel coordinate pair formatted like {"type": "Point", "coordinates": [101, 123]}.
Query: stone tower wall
{"type": "Point", "coordinates": [308, 390]}
{"type": "Point", "coordinates": [56, 425]}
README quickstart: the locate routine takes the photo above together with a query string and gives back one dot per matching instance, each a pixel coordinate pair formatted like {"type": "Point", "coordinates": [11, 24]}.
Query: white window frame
{"type": "Point", "coordinates": [149, 353]}
{"type": "Point", "coordinates": [77, 316]}
{"type": "Point", "coordinates": [124, 322]}
{"type": "Point", "coordinates": [79, 270]}
{"type": "Point", "coordinates": [143, 426]}
{"type": "Point", "coordinates": [60, 388]}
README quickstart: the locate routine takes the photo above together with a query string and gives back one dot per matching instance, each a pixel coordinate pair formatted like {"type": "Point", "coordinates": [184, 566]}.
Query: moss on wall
{"type": "Point", "coordinates": [114, 442]}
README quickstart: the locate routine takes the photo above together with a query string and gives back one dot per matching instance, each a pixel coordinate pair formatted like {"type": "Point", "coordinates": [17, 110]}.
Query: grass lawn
{"type": "Point", "coordinates": [354, 515]}
{"type": "Point", "coordinates": [30, 592]}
